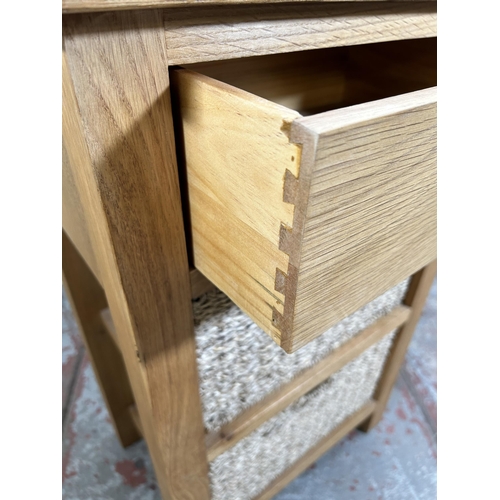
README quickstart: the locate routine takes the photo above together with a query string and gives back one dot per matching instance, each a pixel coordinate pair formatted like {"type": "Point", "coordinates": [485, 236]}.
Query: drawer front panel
{"type": "Point", "coordinates": [371, 208]}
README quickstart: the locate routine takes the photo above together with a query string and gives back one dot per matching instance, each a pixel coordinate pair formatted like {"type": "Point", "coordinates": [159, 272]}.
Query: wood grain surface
{"type": "Point", "coordinates": [285, 79]}
{"type": "Point", "coordinates": [227, 32]}
{"type": "Point", "coordinates": [118, 133]}
{"type": "Point", "coordinates": [75, 6]}
{"type": "Point", "coordinates": [416, 297]}
{"type": "Point", "coordinates": [315, 81]}
{"type": "Point", "coordinates": [87, 300]}
{"type": "Point", "coordinates": [73, 216]}
{"type": "Point", "coordinates": [199, 286]}
{"type": "Point", "coordinates": [371, 209]}
{"type": "Point", "coordinates": [120, 157]}
{"type": "Point", "coordinates": [134, 414]}
{"type": "Point", "coordinates": [235, 234]}
{"type": "Point", "coordinates": [356, 216]}
{"type": "Point", "coordinates": [107, 321]}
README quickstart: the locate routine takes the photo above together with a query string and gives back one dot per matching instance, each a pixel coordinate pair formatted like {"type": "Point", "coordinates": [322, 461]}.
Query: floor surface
{"type": "Point", "coordinates": [395, 461]}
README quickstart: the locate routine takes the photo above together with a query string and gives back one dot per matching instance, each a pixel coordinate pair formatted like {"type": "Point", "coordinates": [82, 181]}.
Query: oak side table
{"type": "Point", "coordinates": [148, 81]}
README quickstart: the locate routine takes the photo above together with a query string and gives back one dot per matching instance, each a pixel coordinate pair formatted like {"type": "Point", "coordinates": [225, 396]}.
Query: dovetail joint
{"type": "Point", "coordinates": [290, 187]}
{"type": "Point", "coordinates": [285, 282]}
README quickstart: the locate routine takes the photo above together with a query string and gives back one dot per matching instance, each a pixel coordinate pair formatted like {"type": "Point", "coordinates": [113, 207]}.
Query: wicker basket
{"type": "Point", "coordinates": [239, 365]}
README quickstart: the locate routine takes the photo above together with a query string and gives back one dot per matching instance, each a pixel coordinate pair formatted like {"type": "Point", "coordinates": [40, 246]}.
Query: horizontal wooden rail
{"type": "Point", "coordinates": [213, 33]}
{"type": "Point", "coordinates": [314, 453]}
{"type": "Point", "coordinates": [220, 441]}
{"type": "Point", "coordinates": [248, 421]}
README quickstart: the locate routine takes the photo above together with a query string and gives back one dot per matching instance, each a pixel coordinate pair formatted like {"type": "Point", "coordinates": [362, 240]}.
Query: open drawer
{"type": "Point", "coordinates": [311, 178]}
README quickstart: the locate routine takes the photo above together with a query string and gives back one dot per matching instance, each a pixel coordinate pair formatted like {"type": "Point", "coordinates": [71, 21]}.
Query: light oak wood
{"type": "Point", "coordinates": [227, 32]}
{"type": "Point", "coordinates": [235, 234]}
{"type": "Point", "coordinates": [122, 210]}
{"type": "Point", "coordinates": [107, 321]}
{"type": "Point", "coordinates": [87, 299]}
{"type": "Point", "coordinates": [118, 134]}
{"type": "Point", "coordinates": [134, 414]}
{"type": "Point", "coordinates": [75, 226]}
{"type": "Point", "coordinates": [343, 76]}
{"type": "Point", "coordinates": [199, 284]}
{"type": "Point", "coordinates": [371, 207]}
{"type": "Point", "coordinates": [285, 79]}
{"type": "Point", "coordinates": [415, 298]}
{"type": "Point", "coordinates": [242, 426]}
{"type": "Point", "coordinates": [303, 220]}
{"type": "Point", "coordinates": [314, 453]}
{"type": "Point", "coordinates": [73, 218]}
{"type": "Point", "coordinates": [76, 6]}
{"type": "Point", "coordinates": [377, 71]}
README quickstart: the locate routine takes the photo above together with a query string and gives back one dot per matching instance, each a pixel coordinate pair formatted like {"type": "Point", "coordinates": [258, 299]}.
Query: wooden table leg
{"type": "Point", "coordinates": [88, 300]}
{"type": "Point", "coordinates": [416, 297]}
{"type": "Point", "coordinates": [118, 134]}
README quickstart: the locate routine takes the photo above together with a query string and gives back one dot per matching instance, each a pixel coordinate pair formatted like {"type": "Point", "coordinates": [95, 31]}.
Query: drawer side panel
{"type": "Point", "coordinates": [238, 154]}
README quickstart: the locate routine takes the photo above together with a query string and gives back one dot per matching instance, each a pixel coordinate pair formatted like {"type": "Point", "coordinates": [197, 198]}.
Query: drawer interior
{"type": "Point", "coordinates": [311, 82]}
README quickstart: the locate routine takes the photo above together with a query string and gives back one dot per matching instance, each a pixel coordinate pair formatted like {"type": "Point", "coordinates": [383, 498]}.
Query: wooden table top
{"type": "Point", "coordinates": [74, 6]}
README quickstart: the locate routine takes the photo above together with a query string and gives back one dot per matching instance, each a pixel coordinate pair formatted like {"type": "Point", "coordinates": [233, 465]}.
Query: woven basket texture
{"type": "Point", "coordinates": [239, 365]}
{"type": "Point", "coordinates": [244, 471]}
